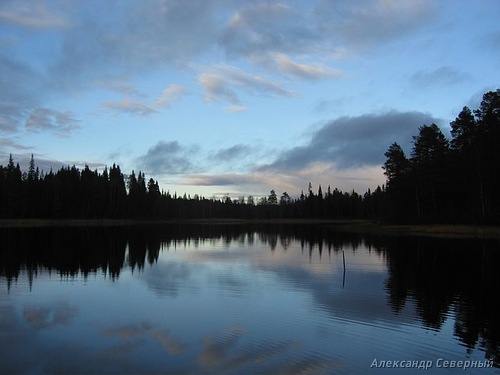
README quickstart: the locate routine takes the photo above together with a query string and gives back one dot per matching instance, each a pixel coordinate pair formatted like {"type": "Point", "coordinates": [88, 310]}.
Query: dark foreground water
{"type": "Point", "coordinates": [193, 299]}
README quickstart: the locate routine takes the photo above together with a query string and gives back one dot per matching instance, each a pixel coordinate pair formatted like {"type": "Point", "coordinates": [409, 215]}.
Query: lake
{"type": "Point", "coordinates": [245, 299]}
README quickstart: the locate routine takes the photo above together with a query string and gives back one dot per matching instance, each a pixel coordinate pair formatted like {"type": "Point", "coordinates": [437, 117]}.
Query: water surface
{"type": "Point", "coordinates": [244, 299]}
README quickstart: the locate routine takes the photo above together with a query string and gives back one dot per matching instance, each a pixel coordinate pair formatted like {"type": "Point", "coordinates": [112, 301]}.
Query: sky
{"type": "Point", "coordinates": [238, 97]}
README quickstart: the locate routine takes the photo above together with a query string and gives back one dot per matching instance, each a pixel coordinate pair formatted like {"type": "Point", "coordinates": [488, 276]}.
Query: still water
{"type": "Point", "coordinates": [234, 299]}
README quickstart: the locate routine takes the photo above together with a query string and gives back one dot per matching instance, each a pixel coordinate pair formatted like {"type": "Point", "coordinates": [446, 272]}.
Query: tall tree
{"type": "Point", "coordinates": [396, 164]}
{"type": "Point", "coordinates": [397, 170]}
{"type": "Point", "coordinates": [464, 131]}
{"type": "Point", "coordinates": [273, 198]}
{"type": "Point", "coordinates": [13, 203]}
{"type": "Point", "coordinates": [488, 118]}
{"type": "Point", "coordinates": [117, 192]}
{"type": "Point", "coordinates": [468, 192]}
{"type": "Point", "coordinates": [33, 173]}
{"type": "Point", "coordinates": [428, 158]}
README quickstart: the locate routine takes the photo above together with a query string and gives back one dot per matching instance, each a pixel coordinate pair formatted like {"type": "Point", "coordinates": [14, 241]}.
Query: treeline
{"type": "Point", "coordinates": [71, 193]}
{"type": "Point", "coordinates": [442, 180]}
{"type": "Point", "coordinates": [449, 181]}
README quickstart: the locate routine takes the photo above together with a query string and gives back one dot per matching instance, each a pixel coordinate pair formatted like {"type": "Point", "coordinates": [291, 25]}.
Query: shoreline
{"type": "Point", "coordinates": [429, 230]}
{"type": "Point", "coordinates": [349, 225]}
{"type": "Point", "coordinates": [32, 223]}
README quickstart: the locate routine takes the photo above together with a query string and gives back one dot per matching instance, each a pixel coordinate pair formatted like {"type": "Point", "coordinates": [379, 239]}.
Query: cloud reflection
{"type": "Point", "coordinates": [227, 352]}
{"type": "Point", "coordinates": [40, 317]}
{"type": "Point", "coordinates": [144, 331]}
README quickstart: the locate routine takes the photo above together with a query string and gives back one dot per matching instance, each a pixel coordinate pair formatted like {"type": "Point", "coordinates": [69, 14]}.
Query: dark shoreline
{"type": "Point", "coordinates": [357, 226]}
{"type": "Point", "coordinates": [27, 223]}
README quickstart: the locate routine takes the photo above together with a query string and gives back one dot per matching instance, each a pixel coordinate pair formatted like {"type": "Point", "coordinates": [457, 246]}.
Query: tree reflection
{"type": "Point", "coordinates": [445, 277]}
{"type": "Point", "coordinates": [442, 277]}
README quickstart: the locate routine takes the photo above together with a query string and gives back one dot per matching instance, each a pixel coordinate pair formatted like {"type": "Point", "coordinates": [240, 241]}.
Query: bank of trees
{"type": "Point", "coordinates": [441, 180]}
{"type": "Point", "coordinates": [74, 193]}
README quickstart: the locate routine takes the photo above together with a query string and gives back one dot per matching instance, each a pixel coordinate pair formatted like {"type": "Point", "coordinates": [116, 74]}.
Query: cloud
{"type": "Point", "coordinates": [221, 81]}
{"type": "Point", "coordinates": [169, 158]}
{"type": "Point", "coordinates": [12, 144]}
{"type": "Point", "coordinates": [443, 76]}
{"type": "Point", "coordinates": [169, 343]}
{"type": "Point", "coordinates": [39, 317]}
{"type": "Point", "coordinates": [268, 36]}
{"type": "Point", "coordinates": [327, 27]}
{"type": "Point", "coordinates": [130, 106]}
{"type": "Point", "coordinates": [310, 72]}
{"type": "Point", "coordinates": [32, 14]}
{"type": "Point", "coordinates": [368, 23]}
{"type": "Point", "coordinates": [167, 278]}
{"type": "Point", "coordinates": [234, 152]}
{"type": "Point", "coordinates": [22, 90]}
{"type": "Point", "coordinates": [171, 93]}
{"type": "Point", "coordinates": [141, 37]}
{"type": "Point", "coordinates": [490, 41]}
{"type": "Point", "coordinates": [259, 180]}
{"type": "Point", "coordinates": [337, 153]}
{"type": "Point", "coordinates": [217, 89]}
{"type": "Point", "coordinates": [41, 119]}
{"type": "Point", "coordinates": [351, 142]}
{"type": "Point", "coordinates": [146, 107]}
{"type": "Point", "coordinates": [121, 84]}
{"type": "Point", "coordinates": [224, 179]}
{"type": "Point", "coordinates": [230, 351]}
{"type": "Point", "coordinates": [9, 117]}
{"type": "Point", "coordinates": [261, 28]}
{"type": "Point", "coordinates": [235, 108]}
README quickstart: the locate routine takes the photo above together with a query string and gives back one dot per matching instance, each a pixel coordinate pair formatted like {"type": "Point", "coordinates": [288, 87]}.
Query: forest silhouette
{"type": "Point", "coordinates": [445, 181]}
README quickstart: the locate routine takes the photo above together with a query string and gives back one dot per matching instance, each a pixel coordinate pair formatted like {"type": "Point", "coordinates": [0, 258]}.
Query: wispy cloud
{"type": "Point", "coordinates": [216, 88]}
{"type": "Point", "coordinates": [326, 26]}
{"type": "Point", "coordinates": [223, 179]}
{"type": "Point", "coordinates": [12, 144]}
{"type": "Point", "coordinates": [367, 24]}
{"type": "Point", "coordinates": [40, 317]}
{"type": "Point", "coordinates": [169, 158]}
{"type": "Point", "coordinates": [235, 108]}
{"type": "Point", "coordinates": [261, 28]}
{"type": "Point", "coordinates": [227, 351]}
{"type": "Point", "coordinates": [258, 180]}
{"type": "Point", "coordinates": [146, 107]}
{"type": "Point", "coordinates": [130, 106]}
{"type": "Point", "coordinates": [170, 343]}
{"type": "Point", "coordinates": [234, 152]}
{"type": "Point", "coordinates": [170, 94]}
{"type": "Point", "coordinates": [121, 84]}
{"type": "Point", "coordinates": [442, 76]}
{"type": "Point", "coordinates": [306, 71]}
{"type": "Point", "coordinates": [294, 39]}
{"type": "Point", "coordinates": [142, 37]}
{"type": "Point", "coordinates": [490, 41]}
{"type": "Point", "coordinates": [22, 91]}
{"type": "Point", "coordinates": [221, 83]}
{"type": "Point", "coordinates": [43, 119]}
{"type": "Point", "coordinates": [32, 14]}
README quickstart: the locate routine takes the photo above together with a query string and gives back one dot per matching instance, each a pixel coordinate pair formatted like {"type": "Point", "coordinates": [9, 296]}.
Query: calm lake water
{"type": "Point", "coordinates": [235, 299]}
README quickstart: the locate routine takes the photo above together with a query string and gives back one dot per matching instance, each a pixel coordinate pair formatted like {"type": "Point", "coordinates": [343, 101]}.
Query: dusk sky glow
{"type": "Point", "coordinates": [238, 97]}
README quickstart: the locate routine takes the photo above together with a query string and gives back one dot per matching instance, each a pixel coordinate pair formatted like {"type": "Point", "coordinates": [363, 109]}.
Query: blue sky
{"type": "Point", "coordinates": [238, 97]}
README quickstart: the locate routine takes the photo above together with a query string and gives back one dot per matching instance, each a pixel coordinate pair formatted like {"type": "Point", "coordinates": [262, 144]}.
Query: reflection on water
{"type": "Point", "coordinates": [243, 299]}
